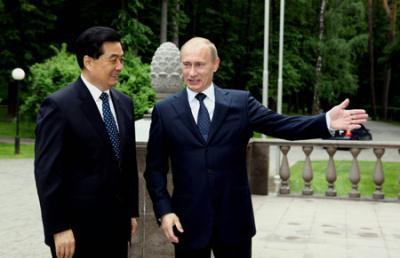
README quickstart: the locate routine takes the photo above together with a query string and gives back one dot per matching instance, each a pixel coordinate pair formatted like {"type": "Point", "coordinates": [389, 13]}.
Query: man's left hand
{"type": "Point", "coordinates": [342, 119]}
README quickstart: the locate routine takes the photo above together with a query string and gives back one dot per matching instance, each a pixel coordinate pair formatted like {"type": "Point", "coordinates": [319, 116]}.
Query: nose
{"type": "Point", "coordinates": [119, 65]}
{"type": "Point", "coordinates": [192, 70]}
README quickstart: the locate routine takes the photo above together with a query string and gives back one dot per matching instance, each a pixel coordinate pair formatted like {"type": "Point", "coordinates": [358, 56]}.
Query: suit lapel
{"type": "Point", "coordinates": [182, 108]}
{"type": "Point", "coordinates": [222, 104]}
{"type": "Point", "coordinates": [90, 110]}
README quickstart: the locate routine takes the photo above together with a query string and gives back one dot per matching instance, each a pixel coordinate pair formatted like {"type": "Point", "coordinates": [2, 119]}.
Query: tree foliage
{"type": "Point", "coordinates": [62, 69]}
{"type": "Point", "coordinates": [47, 77]}
{"type": "Point", "coordinates": [237, 29]}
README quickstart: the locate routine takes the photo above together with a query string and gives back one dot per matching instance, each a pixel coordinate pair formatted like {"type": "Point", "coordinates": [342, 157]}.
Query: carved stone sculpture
{"type": "Point", "coordinates": [166, 73]}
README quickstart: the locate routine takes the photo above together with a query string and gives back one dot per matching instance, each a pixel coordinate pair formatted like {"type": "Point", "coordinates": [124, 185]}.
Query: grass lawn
{"type": "Point", "coordinates": [8, 127]}
{"type": "Point", "coordinates": [7, 151]}
{"type": "Point", "coordinates": [26, 129]}
{"type": "Point", "coordinates": [366, 186]}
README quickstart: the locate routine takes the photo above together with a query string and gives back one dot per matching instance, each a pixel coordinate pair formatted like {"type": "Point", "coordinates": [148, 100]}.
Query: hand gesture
{"type": "Point", "coordinates": [342, 119]}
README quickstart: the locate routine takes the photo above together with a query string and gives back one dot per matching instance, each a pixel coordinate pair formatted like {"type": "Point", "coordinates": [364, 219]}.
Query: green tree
{"type": "Point", "coordinates": [135, 35]}
{"type": "Point", "coordinates": [345, 42]}
{"type": "Point", "coordinates": [24, 25]}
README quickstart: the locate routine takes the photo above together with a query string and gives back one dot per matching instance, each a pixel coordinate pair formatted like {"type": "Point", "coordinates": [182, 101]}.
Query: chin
{"type": "Point", "coordinates": [196, 88]}
{"type": "Point", "coordinates": [112, 84]}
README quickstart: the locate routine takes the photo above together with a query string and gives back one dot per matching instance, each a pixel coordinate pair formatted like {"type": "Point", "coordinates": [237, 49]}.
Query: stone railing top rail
{"type": "Point", "coordinates": [332, 143]}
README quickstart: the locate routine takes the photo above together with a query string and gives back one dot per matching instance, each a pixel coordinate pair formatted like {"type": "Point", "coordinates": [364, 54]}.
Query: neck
{"type": "Point", "coordinates": [93, 81]}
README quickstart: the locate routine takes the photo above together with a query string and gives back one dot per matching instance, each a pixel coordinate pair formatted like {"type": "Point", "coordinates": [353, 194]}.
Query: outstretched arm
{"type": "Point", "coordinates": [346, 119]}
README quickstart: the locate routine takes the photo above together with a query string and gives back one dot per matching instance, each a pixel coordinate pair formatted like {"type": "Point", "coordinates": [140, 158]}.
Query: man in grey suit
{"type": "Point", "coordinates": [203, 132]}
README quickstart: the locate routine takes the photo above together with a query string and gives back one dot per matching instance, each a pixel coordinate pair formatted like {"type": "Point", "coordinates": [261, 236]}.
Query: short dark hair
{"type": "Point", "coordinates": [90, 42]}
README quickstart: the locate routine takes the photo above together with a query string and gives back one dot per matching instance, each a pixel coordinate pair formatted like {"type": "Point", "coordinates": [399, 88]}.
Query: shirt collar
{"type": "Point", "coordinates": [94, 91]}
{"type": "Point", "coordinates": [209, 92]}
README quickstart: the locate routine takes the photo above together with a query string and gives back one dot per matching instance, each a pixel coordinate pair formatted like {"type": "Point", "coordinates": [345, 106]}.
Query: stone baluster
{"type": "Point", "coordinates": [354, 175]}
{"type": "Point", "coordinates": [331, 172]}
{"type": "Point", "coordinates": [284, 171]}
{"type": "Point", "coordinates": [307, 172]}
{"type": "Point", "coordinates": [378, 175]}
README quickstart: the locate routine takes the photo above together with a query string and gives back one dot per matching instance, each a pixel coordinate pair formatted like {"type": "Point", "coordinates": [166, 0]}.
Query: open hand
{"type": "Point", "coordinates": [342, 119]}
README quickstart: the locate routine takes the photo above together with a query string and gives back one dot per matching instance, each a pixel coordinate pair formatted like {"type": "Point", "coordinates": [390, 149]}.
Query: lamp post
{"type": "Point", "coordinates": [17, 74]}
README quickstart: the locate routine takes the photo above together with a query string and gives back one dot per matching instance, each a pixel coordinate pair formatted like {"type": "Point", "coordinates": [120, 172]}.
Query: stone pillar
{"type": "Point", "coordinates": [166, 79]}
{"type": "Point", "coordinates": [284, 171]}
{"type": "Point", "coordinates": [258, 166]}
{"type": "Point", "coordinates": [166, 72]}
{"type": "Point", "coordinates": [307, 172]}
{"type": "Point", "coordinates": [149, 242]}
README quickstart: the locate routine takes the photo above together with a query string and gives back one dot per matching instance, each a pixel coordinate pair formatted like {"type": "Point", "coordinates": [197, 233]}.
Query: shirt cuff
{"type": "Point", "coordinates": [328, 124]}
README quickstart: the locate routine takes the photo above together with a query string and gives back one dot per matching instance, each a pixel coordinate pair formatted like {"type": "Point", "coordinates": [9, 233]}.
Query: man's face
{"type": "Point", "coordinates": [198, 67]}
{"type": "Point", "coordinates": [104, 71]}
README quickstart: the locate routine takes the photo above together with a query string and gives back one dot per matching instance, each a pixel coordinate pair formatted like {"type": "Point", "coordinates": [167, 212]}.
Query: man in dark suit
{"type": "Point", "coordinates": [203, 132]}
{"type": "Point", "coordinates": [85, 156]}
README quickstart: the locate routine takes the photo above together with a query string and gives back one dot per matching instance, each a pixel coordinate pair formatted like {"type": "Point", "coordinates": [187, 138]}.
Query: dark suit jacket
{"type": "Point", "coordinates": [80, 183]}
{"type": "Point", "coordinates": [211, 192]}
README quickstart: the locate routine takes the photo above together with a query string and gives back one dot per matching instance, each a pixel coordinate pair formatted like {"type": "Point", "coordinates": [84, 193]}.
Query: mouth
{"type": "Point", "coordinates": [115, 76]}
{"type": "Point", "coordinates": [193, 81]}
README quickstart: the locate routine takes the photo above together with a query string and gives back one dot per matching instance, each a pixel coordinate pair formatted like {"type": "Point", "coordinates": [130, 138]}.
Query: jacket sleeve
{"type": "Point", "coordinates": [49, 173]}
{"type": "Point", "coordinates": [268, 122]}
{"type": "Point", "coordinates": [157, 166]}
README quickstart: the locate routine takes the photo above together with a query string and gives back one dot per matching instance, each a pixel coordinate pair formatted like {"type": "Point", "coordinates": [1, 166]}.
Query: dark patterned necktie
{"type": "Point", "coordinates": [203, 118]}
{"type": "Point", "coordinates": [111, 125]}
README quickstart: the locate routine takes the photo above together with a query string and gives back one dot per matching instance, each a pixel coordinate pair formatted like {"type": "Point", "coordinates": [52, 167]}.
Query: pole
{"type": "Point", "coordinates": [17, 139]}
{"type": "Point", "coordinates": [17, 74]}
{"type": "Point", "coordinates": [281, 23]}
{"type": "Point", "coordinates": [279, 98]}
{"type": "Point", "coordinates": [266, 53]}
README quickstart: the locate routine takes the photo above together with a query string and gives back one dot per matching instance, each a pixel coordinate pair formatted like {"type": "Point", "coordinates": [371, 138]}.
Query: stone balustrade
{"type": "Point", "coordinates": [354, 149]}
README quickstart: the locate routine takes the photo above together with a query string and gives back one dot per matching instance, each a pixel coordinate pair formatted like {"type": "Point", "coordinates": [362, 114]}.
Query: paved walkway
{"type": "Point", "coordinates": [21, 233]}
{"type": "Point", "coordinates": [322, 228]}
{"type": "Point", "coordinates": [5, 139]}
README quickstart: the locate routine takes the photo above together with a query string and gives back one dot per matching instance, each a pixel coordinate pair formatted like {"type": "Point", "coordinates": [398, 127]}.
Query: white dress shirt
{"type": "Point", "coordinates": [209, 101]}
{"type": "Point", "coordinates": [95, 92]}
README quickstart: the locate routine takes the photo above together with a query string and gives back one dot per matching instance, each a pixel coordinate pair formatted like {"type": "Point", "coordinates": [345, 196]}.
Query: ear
{"type": "Point", "coordinates": [216, 64]}
{"type": "Point", "coordinates": [87, 62]}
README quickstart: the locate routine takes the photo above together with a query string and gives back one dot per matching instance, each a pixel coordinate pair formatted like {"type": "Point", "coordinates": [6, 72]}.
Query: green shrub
{"type": "Point", "coordinates": [62, 69]}
{"type": "Point", "coordinates": [134, 81]}
{"type": "Point", "coordinates": [47, 77]}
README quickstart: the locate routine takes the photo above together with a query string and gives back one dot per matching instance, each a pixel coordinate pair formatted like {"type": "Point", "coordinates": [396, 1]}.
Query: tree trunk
{"type": "Point", "coordinates": [385, 94]}
{"type": "Point", "coordinates": [371, 56]}
{"type": "Point", "coordinates": [14, 8]}
{"type": "Point", "coordinates": [195, 16]}
{"type": "Point", "coordinates": [164, 21]}
{"type": "Point", "coordinates": [391, 12]}
{"type": "Point", "coordinates": [175, 23]}
{"type": "Point", "coordinates": [316, 100]}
